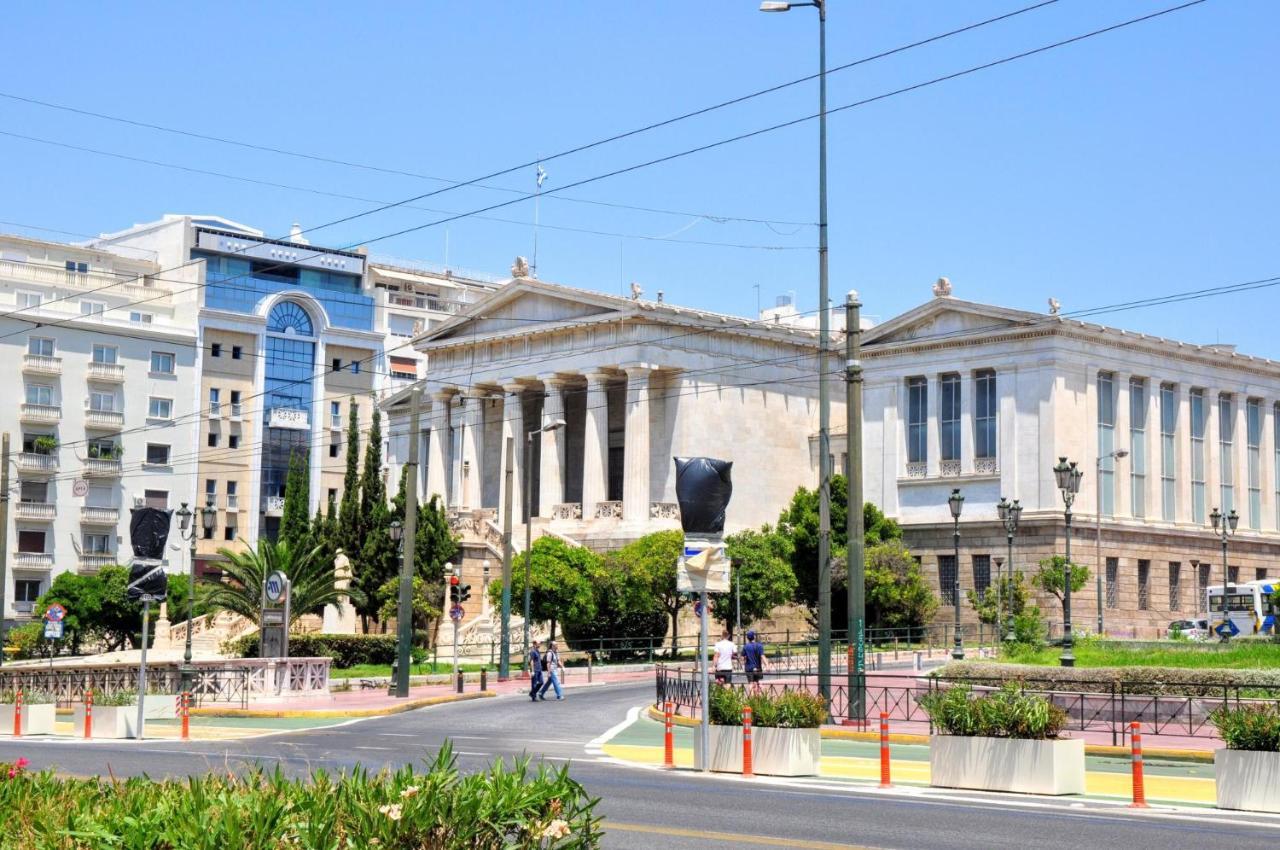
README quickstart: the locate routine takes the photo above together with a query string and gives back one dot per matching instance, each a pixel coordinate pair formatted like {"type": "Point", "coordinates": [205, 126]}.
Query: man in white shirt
{"type": "Point", "coordinates": [722, 661]}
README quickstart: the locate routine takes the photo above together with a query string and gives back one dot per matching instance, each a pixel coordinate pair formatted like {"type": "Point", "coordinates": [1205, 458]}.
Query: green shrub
{"type": "Point", "coordinates": [30, 696]}
{"type": "Point", "coordinates": [116, 699]}
{"type": "Point", "coordinates": [501, 807]}
{"type": "Point", "coordinates": [1029, 629]}
{"type": "Point", "coordinates": [1006, 713]}
{"type": "Point", "coordinates": [1249, 727]}
{"type": "Point", "coordinates": [785, 710]}
{"type": "Point", "coordinates": [1151, 681]}
{"type": "Point", "coordinates": [345, 650]}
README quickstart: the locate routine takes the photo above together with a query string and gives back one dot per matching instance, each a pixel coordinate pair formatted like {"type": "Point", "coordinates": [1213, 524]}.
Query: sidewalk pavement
{"type": "Point", "coordinates": [1172, 782]}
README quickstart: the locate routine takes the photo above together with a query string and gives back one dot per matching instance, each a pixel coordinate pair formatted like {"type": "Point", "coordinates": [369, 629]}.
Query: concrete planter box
{"type": "Point", "coordinates": [1248, 780]}
{"type": "Point", "coordinates": [121, 721]}
{"type": "Point", "coordinates": [774, 752]}
{"type": "Point", "coordinates": [37, 719]}
{"type": "Point", "coordinates": [1006, 764]}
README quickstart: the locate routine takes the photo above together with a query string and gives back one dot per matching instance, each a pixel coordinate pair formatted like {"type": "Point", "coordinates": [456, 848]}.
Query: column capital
{"type": "Point", "coordinates": [638, 369]}
{"type": "Point", "coordinates": [553, 379]}
{"type": "Point", "coordinates": [443, 396]}
{"type": "Point", "coordinates": [477, 393]}
{"type": "Point", "coordinates": [598, 376]}
{"type": "Point", "coordinates": [511, 386]}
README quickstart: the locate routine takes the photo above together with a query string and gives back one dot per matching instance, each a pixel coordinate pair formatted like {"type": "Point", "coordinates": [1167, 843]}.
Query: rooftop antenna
{"type": "Point", "coordinates": [539, 175]}
{"type": "Point", "coordinates": [756, 287]}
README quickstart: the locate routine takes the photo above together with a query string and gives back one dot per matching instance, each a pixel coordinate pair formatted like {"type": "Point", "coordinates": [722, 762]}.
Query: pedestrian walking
{"type": "Point", "coordinates": [551, 661]}
{"type": "Point", "coordinates": [725, 653]}
{"type": "Point", "coordinates": [753, 659]}
{"type": "Point", "coordinates": [535, 671]}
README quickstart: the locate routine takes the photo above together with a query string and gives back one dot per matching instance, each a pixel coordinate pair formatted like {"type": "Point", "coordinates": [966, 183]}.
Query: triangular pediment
{"type": "Point", "coordinates": [527, 303]}
{"type": "Point", "coordinates": [944, 318]}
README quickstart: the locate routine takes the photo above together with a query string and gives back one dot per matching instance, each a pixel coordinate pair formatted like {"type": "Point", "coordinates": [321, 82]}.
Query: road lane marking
{"type": "Point", "coordinates": [595, 746]}
{"type": "Point", "coordinates": [734, 837]}
{"type": "Point", "coordinates": [398, 735]}
{"type": "Point", "coordinates": [380, 749]}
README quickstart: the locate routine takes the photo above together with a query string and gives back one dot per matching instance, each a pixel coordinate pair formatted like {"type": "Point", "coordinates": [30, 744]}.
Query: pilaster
{"type": "Point", "coordinates": [595, 444]}
{"type": "Point", "coordinates": [438, 448]}
{"type": "Point", "coordinates": [635, 480]}
{"type": "Point", "coordinates": [551, 472]}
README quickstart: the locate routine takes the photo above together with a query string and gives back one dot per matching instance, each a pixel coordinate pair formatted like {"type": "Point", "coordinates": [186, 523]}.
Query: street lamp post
{"type": "Point", "coordinates": [1225, 527]}
{"type": "Point", "coordinates": [187, 530]}
{"type": "Point", "coordinates": [1068, 476]}
{"type": "Point", "coordinates": [553, 425]}
{"type": "Point", "coordinates": [1097, 538]}
{"type": "Point", "coordinates": [1010, 513]}
{"type": "Point", "coordinates": [396, 531]}
{"type": "Point", "coordinates": [956, 502]}
{"type": "Point", "coordinates": [824, 339]}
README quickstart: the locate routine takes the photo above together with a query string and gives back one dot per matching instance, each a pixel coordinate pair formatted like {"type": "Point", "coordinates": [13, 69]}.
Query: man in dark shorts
{"type": "Point", "coordinates": [753, 658]}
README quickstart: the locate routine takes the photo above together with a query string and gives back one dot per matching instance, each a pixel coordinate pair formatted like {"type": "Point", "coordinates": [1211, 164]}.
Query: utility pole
{"type": "Point", "coordinates": [4, 531]}
{"type": "Point", "coordinates": [404, 625]}
{"type": "Point", "coordinates": [504, 654]}
{"type": "Point", "coordinates": [856, 567]}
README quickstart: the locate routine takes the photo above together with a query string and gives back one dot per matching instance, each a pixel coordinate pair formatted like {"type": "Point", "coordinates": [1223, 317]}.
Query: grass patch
{"type": "Point", "coordinates": [372, 671]}
{"type": "Point", "coordinates": [1093, 653]}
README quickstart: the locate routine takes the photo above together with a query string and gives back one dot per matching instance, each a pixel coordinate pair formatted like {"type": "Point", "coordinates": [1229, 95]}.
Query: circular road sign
{"type": "Point", "coordinates": [55, 613]}
{"type": "Point", "coordinates": [275, 589]}
{"type": "Point", "coordinates": [80, 488]}
{"type": "Point", "coordinates": [455, 613]}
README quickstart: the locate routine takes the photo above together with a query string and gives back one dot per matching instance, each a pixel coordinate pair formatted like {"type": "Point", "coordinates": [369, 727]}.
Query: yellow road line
{"type": "Point", "coordinates": [734, 837]}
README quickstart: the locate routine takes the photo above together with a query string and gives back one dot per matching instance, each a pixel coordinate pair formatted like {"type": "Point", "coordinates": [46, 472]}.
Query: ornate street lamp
{"type": "Point", "coordinates": [1225, 527]}
{"type": "Point", "coordinates": [1068, 476]}
{"type": "Point", "coordinates": [1010, 513]}
{"type": "Point", "coordinates": [187, 530]}
{"type": "Point", "coordinates": [956, 502]}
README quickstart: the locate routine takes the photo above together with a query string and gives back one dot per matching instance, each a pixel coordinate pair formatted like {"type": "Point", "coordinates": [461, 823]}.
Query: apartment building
{"type": "Point", "coordinates": [102, 351]}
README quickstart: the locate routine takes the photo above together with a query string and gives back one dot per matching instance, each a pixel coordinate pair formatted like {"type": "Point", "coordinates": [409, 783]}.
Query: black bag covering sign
{"type": "Point", "coordinates": [147, 579]}
{"type": "Point", "coordinates": [148, 532]}
{"type": "Point", "coordinates": [703, 489]}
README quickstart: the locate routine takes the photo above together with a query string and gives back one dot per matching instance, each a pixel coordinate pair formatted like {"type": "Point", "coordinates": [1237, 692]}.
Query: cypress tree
{"type": "Point", "coordinates": [347, 534]}
{"type": "Point", "coordinates": [295, 522]}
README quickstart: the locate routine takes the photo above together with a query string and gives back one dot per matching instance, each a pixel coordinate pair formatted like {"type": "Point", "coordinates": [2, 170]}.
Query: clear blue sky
{"type": "Point", "coordinates": [1135, 164]}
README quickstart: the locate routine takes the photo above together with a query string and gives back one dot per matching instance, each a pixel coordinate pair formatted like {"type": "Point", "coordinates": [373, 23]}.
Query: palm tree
{"type": "Point", "coordinates": [311, 581]}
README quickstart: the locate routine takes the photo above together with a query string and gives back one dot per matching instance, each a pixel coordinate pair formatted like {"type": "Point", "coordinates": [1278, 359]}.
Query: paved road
{"type": "Point", "coordinates": [648, 808]}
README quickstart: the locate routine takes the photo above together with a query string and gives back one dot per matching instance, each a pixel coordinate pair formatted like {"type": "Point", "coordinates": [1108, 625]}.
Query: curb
{"type": "Point", "coordinates": [1200, 756]}
{"type": "Point", "coordinates": [325, 713]}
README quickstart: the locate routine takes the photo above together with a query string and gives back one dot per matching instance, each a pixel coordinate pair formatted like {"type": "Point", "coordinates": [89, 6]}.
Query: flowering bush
{"type": "Point", "coordinates": [505, 806]}
{"type": "Point", "coordinates": [13, 770]}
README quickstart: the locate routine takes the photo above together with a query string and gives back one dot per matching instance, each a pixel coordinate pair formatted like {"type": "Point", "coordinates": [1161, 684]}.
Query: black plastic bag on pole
{"type": "Point", "coordinates": [148, 532]}
{"type": "Point", "coordinates": [703, 488]}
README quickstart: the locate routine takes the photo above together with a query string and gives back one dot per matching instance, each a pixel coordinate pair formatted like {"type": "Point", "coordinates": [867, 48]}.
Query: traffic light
{"type": "Point", "coordinates": [454, 591]}
{"type": "Point", "coordinates": [464, 593]}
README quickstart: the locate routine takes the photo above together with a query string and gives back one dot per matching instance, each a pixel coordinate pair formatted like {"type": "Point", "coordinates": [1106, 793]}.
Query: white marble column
{"type": "Point", "coordinates": [1267, 465]}
{"type": "Point", "coordinates": [1155, 449]}
{"type": "Point", "coordinates": [1182, 446]}
{"type": "Point", "coordinates": [513, 429]}
{"type": "Point", "coordinates": [473, 448]}
{"type": "Point", "coordinates": [438, 448]}
{"type": "Point", "coordinates": [551, 471]}
{"type": "Point", "coordinates": [1213, 454]}
{"type": "Point", "coordinates": [1122, 467]}
{"type": "Point", "coordinates": [635, 478]}
{"type": "Point", "coordinates": [595, 444]}
{"type": "Point", "coordinates": [933, 441]}
{"type": "Point", "coordinates": [968, 394]}
{"type": "Point", "coordinates": [1240, 449]}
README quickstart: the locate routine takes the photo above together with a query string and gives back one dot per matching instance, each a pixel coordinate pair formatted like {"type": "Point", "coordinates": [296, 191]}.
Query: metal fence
{"type": "Point", "coordinates": [226, 685]}
{"type": "Point", "coordinates": [1180, 709]}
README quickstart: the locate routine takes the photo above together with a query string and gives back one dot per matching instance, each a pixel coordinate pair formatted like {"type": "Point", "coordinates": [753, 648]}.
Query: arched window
{"type": "Point", "coordinates": [289, 318]}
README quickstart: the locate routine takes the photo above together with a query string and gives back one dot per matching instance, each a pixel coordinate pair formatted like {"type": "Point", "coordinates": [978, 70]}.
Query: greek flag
{"type": "Point", "coordinates": [542, 175]}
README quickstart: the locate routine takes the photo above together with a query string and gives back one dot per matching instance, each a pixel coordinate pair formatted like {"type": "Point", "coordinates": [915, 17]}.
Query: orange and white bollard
{"type": "Point", "coordinates": [884, 749]}
{"type": "Point", "coordinates": [88, 714]}
{"type": "Point", "coordinates": [1139, 790]}
{"type": "Point", "coordinates": [746, 741]}
{"type": "Point", "coordinates": [17, 714]}
{"type": "Point", "coordinates": [184, 704]}
{"type": "Point", "coordinates": [668, 743]}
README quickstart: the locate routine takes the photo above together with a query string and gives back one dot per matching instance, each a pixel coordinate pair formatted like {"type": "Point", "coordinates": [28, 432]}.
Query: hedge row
{"type": "Point", "coordinates": [345, 650]}
{"type": "Point", "coordinates": [1156, 681]}
{"type": "Point", "coordinates": [501, 808]}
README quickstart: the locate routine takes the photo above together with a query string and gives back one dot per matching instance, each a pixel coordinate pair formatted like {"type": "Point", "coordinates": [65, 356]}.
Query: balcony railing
{"type": "Point", "coordinates": [237, 411]}
{"type": "Point", "coordinates": [105, 419]}
{"type": "Point", "coordinates": [90, 515]}
{"type": "Point", "coordinates": [40, 413]}
{"type": "Point", "coordinates": [233, 502]}
{"type": "Point", "coordinates": [37, 511]}
{"type": "Point", "coordinates": [37, 463]}
{"type": "Point", "coordinates": [275, 505]}
{"type": "Point", "coordinates": [139, 287]}
{"type": "Point", "coordinates": [111, 372]}
{"type": "Point", "coordinates": [33, 560]}
{"type": "Point", "coordinates": [95, 467]}
{"type": "Point", "coordinates": [94, 561]}
{"type": "Point", "coordinates": [215, 409]}
{"type": "Point", "coordinates": [38, 364]}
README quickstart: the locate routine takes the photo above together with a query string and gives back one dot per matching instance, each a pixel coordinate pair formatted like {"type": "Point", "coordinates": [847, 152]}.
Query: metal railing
{"type": "Point", "coordinates": [223, 684]}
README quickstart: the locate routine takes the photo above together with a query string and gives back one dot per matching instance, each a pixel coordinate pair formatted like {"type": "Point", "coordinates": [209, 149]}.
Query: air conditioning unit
{"type": "Point", "coordinates": [138, 501]}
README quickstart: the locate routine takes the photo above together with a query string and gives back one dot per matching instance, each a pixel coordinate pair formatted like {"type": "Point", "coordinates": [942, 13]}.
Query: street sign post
{"type": "Point", "coordinates": [55, 613]}
{"type": "Point", "coordinates": [274, 623]}
{"type": "Point", "coordinates": [53, 630]}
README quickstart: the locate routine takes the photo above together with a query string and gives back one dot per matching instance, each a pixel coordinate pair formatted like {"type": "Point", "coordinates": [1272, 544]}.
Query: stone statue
{"type": "Point", "coordinates": [636, 291]}
{"type": "Point", "coordinates": [520, 268]}
{"type": "Point", "coordinates": [1055, 306]}
{"type": "Point", "coordinates": [942, 289]}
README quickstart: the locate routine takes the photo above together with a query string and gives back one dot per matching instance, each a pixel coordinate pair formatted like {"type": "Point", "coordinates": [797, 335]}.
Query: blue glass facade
{"type": "Point", "coordinates": [239, 283]}
{"type": "Point", "coordinates": [289, 371]}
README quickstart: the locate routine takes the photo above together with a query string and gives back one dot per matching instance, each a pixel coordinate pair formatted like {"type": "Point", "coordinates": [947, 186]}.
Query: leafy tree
{"type": "Point", "coordinates": [1011, 595]}
{"type": "Point", "coordinates": [435, 546]}
{"type": "Point", "coordinates": [626, 613]}
{"type": "Point", "coordinates": [897, 594]}
{"type": "Point", "coordinates": [1051, 578]}
{"type": "Point", "coordinates": [323, 535]}
{"type": "Point", "coordinates": [561, 581]}
{"type": "Point", "coordinates": [425, 599]}
{"type": "Point", "coordinates": [100, 613]}
{"type": "Point", "coordinates": [311, 582]}
{"type": "Point", "coordinates": [295, 526]}
{"type": "Point", "coordinates": [799, 522]}
{"type": "Point", "coordinates": [347, 533]}
{"type": "Point", "coordinates": [762, 575]}
{"type": "Point", "coordinates": [378, 561]}
{"type": "Point", "coordinates": [651, 563]}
